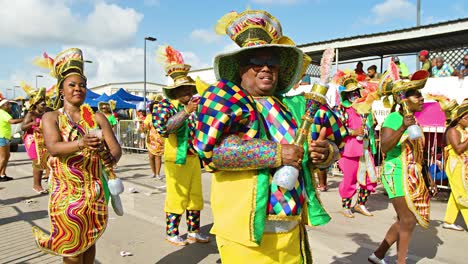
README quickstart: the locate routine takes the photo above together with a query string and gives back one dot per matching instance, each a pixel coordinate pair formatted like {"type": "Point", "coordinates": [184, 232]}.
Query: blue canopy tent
{"type": "Point", "coordinates": [90, 94]}
{"type": "Point", "coordinates": [119, 103]}
{"type": "Point", "coordinates": [124, 95]}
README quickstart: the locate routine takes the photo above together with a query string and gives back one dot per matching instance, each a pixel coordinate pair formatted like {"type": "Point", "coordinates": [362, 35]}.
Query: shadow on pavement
{"type": "Point", "coordinates": [25, 216]}
{"type": "Point", "coordinates": [192, 253]}
{"type": "Point", "coordinates": [424, 245]}
{"type": "Point", "coordinates": [361, 254]}
{"type": "Point", "coordinates": [425, 242]}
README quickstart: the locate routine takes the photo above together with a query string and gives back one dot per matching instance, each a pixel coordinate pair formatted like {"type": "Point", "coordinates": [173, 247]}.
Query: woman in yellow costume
{"type": "Point", "coordinates": [154, 141]}
{"type": "Point", "coordinates": [456, 167]}
{"type": "Point", "coordinates": [33, 136]}
{"type": "Point", "coordinates": [77, 205]}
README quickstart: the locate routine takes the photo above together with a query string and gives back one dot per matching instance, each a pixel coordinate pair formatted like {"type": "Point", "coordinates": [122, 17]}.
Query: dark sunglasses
{"type": "Point", "coordinates": [258, 63]}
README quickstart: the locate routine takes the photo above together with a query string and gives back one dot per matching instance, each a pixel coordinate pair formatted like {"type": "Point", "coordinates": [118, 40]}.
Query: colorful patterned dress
{"type": "Point", "coordinates": [402, 172]}
{"type": "Point", "coordinates": [77, 205]}
{"type": "Point", "coordinates": [154, 141]}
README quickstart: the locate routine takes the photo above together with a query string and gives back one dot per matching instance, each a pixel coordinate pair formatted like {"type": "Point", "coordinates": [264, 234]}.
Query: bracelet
{"type": "Point", "coordinates": [278, 158]}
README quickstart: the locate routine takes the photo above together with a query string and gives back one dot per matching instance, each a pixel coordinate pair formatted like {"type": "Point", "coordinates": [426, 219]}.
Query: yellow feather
{"type": "Point", "coordinates": [224, 22]}
{"type": "Point", "coordinates": [26, 88]}
{"type": "Point", "coordinates": [201, 85]}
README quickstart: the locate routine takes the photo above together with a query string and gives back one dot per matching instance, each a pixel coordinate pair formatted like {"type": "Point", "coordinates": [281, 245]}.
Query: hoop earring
{"type": "Point", "coordinates": [61, 97]}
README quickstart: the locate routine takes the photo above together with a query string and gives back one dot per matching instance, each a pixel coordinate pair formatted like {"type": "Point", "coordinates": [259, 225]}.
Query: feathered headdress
{"type": "Point", "coordinates": [167, 55]}
{"type": "Point", "coordinates": [448, 106]}
{"type": "Point", "coordinates": [175, 68]}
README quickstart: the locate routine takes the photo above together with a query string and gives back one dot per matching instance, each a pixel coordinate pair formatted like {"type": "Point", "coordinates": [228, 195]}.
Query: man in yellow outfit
{"type": "Point", "coordinates": [246, 131]}
{"type": "Point", "coordinates": [174, 119]}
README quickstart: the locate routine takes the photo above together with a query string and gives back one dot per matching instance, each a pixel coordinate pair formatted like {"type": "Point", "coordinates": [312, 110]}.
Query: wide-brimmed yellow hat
{"type": "Point", "coordinates": [459, 112]}
{"type": "Point", "coordinates": [253, 30]}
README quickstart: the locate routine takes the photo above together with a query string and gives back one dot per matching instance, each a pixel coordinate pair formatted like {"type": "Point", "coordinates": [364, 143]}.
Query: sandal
{"type": "Point", "coordinates": [322, 188]}
{"type": "Point", "coordinates": [40, 191]}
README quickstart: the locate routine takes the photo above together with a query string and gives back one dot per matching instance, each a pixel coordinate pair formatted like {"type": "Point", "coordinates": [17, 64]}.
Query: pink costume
{"type": "Point", "coordinates": [29, 141]}
{"type": "Point", "coordinates": [356, 162]}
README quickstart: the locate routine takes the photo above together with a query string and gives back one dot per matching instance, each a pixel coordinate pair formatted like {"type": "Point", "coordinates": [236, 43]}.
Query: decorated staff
{"type": "Point", "coordinates": [286, 176]}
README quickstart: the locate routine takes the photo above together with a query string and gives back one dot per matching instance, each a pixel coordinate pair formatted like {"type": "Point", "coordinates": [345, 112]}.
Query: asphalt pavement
{"type": "Point", "coordinates": [141, 230]}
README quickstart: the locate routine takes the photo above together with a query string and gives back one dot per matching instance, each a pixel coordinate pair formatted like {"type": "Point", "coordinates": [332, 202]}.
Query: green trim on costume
{"type": "Point", "coordinates": [261, 195]}
{"type": "Point", "coordinates": [316, 213]}
{"type": "Point", "coordinates": [182, 141]}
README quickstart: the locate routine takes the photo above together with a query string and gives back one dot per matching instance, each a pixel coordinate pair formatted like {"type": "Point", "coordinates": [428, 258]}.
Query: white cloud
{"type": "Point", "coordinates": [277, 2]}
{"type": "Point", "coordinates": [29, 22]}
{"type": "Point", "coordinates": [195, 61]}
{"type": "Point", "coordinates": [205, 36]}
{"type": "Point", "coordinates": [393, 10]}
{"type": "Point", "coordinates": [230, 47]}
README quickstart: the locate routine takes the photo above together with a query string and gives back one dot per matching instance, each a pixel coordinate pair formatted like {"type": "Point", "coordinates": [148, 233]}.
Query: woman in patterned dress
{"type": "Point", "coordinates": [402, 176]}
{"type": "Point", "coordinates": [456, 167]}
{"type": "Point", "coordinates": [34, 140]}
{"type": "Point", "coordinates": [77, 204]}
{"type": "Point", "coordinates": [154, 143]}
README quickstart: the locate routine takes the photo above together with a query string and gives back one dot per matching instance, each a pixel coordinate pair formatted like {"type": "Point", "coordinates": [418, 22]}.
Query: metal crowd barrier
{"type": "Point", "coordinates": [130, 137]}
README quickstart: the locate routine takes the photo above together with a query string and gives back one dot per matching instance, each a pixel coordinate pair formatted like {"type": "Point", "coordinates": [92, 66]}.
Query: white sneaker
{"type": "Point", "coordinates": [160, 177]}
{"type": "Point", "coordinates": [452, 226]}
{"type": "Point", "coordinates": [197, 238]}
{"type": "Point", "coordinates": [176, 240]}
{"type": "Point", "coordinates": [374, 259]}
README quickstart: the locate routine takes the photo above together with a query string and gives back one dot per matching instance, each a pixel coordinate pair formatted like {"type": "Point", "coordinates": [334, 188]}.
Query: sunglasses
{"type": "Point", "coordinates": [258, 63]}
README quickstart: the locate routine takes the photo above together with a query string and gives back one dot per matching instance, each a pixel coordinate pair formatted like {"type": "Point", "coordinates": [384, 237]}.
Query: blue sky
{"type": "Point", "coordinates": [111, 33]}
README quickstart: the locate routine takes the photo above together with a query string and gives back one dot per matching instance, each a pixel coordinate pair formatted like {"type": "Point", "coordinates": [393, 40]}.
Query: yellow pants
{"type": "Point", "coordinates": [275, 248]}
{"type": "Point", "coordinates": [455, 176]}
{"type": "Point", "coordinates": [452, 210]}
{"type": "Point", "coordinates": [183, 186]}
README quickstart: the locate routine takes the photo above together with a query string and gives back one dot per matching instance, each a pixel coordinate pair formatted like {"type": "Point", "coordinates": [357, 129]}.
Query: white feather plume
{"type": "Point", "coordinates": [325, 65]}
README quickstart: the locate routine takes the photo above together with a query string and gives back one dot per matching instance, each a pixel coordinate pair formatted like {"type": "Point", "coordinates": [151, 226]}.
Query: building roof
{"type": "Point", "coordinates": [444, 35]}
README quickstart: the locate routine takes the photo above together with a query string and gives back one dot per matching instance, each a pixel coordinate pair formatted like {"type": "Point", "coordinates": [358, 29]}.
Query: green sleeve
{"type": "Point", "coordinates": [112, 120]}
{"type": "Point", "coordinates": [393, 120]}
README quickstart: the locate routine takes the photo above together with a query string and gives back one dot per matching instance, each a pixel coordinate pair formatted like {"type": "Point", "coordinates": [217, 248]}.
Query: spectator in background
{"type": "Point", "coordinates": [462, 69]}
{"type": "Point", "coordinates": [402, 68]}
{"type": "Point", "coordinates": [361, 75]}
{"type": "Point", "coordinates": [372, 74]}
{"type": "Point", "coordinates": [424, 59]}
{"type": "Point", "coordinates": [441, 69]}
{"type": "Point", "coordinates": [5, 135]}
{"type": "Point", "coordinates": [433, 63]}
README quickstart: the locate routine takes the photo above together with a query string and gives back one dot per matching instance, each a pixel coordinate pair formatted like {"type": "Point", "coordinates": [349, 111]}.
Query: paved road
{"type": "Point", "coordinates": [141, 230]}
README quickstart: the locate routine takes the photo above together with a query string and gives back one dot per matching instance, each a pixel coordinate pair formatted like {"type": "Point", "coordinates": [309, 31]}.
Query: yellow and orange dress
{"type": "Point", "coordinates": [154, 141]}
{"type": "Point", "coordinates": [456, 168]}
{"type": "Point", "coordinates": [77, 204]}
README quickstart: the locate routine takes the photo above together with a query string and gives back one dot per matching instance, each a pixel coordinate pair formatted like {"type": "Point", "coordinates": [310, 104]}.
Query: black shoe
{"type": "Point", "coordinates": [5, 178]}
